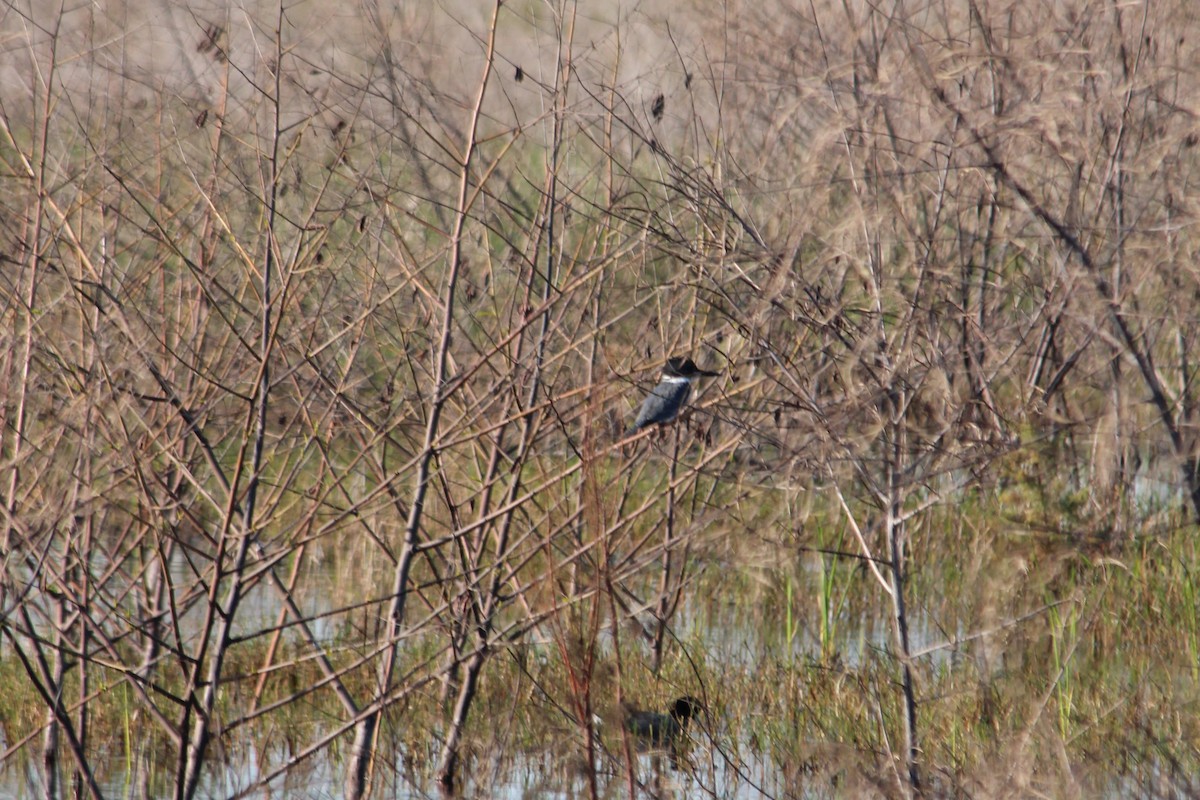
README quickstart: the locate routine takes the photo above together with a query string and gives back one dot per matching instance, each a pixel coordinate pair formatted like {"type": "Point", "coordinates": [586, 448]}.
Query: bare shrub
{"type": "Point", "coordinates": [321, 330]}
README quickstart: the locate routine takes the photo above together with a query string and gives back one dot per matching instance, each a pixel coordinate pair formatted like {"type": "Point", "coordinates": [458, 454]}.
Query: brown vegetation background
{"type": "Point", "coordinates": [321, 324]}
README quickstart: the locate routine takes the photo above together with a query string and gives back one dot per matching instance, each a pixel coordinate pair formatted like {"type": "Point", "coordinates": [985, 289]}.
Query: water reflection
{"type": "Point", "coordinates": [724, 759]}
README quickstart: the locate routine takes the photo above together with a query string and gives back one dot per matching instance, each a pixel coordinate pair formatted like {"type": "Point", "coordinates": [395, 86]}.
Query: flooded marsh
{"type": "Point", "coordinates": [636, 400]}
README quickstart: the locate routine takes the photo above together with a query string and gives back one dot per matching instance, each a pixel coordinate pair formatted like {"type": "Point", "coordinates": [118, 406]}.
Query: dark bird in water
{"type": "Point", "coordinates": [668, 398]}
{"type": "Point", "coordinates": [656, 729]}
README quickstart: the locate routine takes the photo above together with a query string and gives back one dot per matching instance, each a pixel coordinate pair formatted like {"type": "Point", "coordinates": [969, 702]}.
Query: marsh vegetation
{"type": "Point", "coordinates": [322, 325]}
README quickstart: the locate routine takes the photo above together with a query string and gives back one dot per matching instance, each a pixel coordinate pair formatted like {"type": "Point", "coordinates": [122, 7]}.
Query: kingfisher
{"type": "Point", "coordinates": [668, 398]}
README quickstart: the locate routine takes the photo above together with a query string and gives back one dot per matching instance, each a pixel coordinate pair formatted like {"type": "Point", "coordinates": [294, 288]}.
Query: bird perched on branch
{"type": "Point", "coordinates": [668, 398]}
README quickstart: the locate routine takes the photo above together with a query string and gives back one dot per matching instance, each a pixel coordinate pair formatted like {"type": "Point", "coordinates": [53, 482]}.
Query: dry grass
{"type": "Point", "coordinates": [319, 324]}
